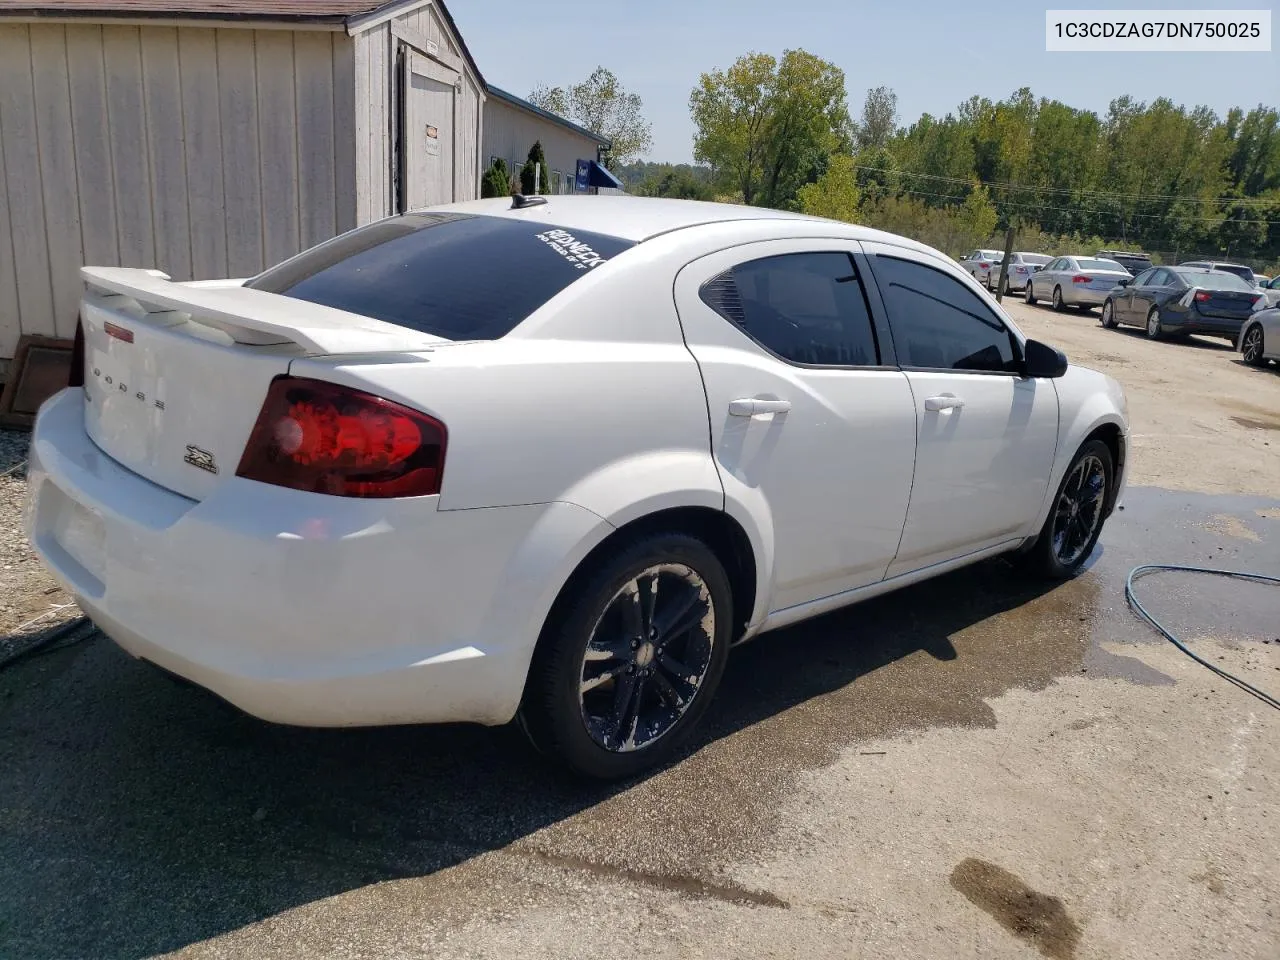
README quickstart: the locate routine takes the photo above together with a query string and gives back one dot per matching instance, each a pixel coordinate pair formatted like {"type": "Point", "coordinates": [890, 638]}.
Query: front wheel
{"type": "Point", "coordinates": [1109, 315]}
{"type": "Point", "coordinates": [1073, 526]}
{"type": "Point", "coordinates": [629, 660]}
{"type": "Point", "coordinates": [1251, 346]}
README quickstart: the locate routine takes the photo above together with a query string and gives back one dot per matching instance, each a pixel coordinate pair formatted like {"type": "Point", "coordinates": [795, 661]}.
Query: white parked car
{"type": "Point", "coordinates": [484, 462]}
{"type": "Point", "coordinates": [1017, 273]}
{"type": "Point", "coordinates": [1082, 282]}
{"type": "Point", "coordinates": [983, 265]}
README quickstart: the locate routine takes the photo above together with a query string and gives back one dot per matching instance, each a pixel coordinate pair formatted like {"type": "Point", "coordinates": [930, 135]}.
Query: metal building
{"type": "Point", "coordinates": [212, 138]}
{"type": "Point", "coordinates": [511, 125]}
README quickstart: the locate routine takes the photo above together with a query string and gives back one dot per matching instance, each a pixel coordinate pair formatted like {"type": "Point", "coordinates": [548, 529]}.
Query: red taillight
{"type": "Point", "coordinates": [1201, 296]}
{"type": "Point", "coordinates": [75, 376]}
{"type": "Point", "coordinates": [985, 266]}
{"type": "Point", "coordinates": [1080, 279]}
{"type": "Point", "coordinates": [325, 438]}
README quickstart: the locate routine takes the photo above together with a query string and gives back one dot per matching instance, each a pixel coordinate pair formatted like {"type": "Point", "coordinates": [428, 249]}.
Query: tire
{"type": "Point", "coordinates": [1109, 316]}
{"type": "Point", "coordinates": [1252, 346]}
{"type": "Point", "coordinates": [576, 728]}
{"type": "Point", "coordinates": [1058, 305]}
{"type": "Point", "coordinates": [1154, 330]}
{"type": "Point", "coordinates": [1045, 558]}
{"type": "Point", "coordinates": [1029, 295]}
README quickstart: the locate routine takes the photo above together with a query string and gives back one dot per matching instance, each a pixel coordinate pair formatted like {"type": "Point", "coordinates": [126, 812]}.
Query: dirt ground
{"type": "Point", "coordinates": [973, 767]}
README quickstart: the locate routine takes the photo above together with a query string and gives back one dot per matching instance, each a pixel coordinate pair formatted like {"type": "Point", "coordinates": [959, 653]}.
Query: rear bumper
{"type": "Point", "coordinates": [1207, 326]}
{"type": "Point", "coordinates": [301, 608]}
{"type": "Point", "coordinates": [1081, 296]}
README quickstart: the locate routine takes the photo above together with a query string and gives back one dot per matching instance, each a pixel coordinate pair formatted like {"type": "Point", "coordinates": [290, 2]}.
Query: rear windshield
{"type": "Point", "coordinates": [1214, 280]}
{"type": "Point", "coordinates": [1244, 273]}
{"type": "Point", "coordinates": [456, 276]}
{"type": "Point", "coordinates": [1039, 258]}
{"type": "Point", "coordinates": [1100, 265]}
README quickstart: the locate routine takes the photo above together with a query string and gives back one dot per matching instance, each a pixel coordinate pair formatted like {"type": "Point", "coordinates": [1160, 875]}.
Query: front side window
{"type": "Point", "coordinates": [450, 275]}
{"type": "Point", "coordinates": [805, 308]}
{"type": "Point", "coordinates": [938, 323]}
{"type": "Point", "coordinates": [1144, 279]}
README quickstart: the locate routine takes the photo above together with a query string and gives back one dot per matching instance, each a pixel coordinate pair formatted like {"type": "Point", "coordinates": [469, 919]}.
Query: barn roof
{"type": "Point", "coordinates": [515, 101]}
{"type": "Point", "coordinates": [309, 10]}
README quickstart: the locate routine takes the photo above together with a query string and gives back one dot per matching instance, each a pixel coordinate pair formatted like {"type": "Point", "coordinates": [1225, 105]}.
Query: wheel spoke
{"type": "Point", "coordinates": [626, 700]}
{"type": "Point", "coordinates": [632, 615]}
{"type": "Point", "coordinates": [682, 616]}
{"type": "Point", "coordinates": [666, 689]}
{"type": "Point", "coordinates": [590, 683]}
{"type": "Point", "coordinates": [648, 597]}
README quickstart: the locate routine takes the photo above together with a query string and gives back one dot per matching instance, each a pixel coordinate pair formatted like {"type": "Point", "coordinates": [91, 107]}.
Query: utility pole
{"type": "Point", "coordinates": [1004, 264]}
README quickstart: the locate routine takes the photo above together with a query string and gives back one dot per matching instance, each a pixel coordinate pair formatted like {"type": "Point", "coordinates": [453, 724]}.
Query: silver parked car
{"type": "Point", "coordinates": [1021, 267]}
{"type": "Point", "coordinates": [1082, 282]}
{"type": "Point", "coordinates": [981, 263]}
{"type": "Point", "coordinates": [1271, 290]}
{"type": "Point", "coordinates": [1260, 338]}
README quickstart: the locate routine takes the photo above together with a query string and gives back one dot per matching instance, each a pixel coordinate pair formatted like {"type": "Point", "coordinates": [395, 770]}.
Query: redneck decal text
{"type": "Point", "coordinates": [579, 254]}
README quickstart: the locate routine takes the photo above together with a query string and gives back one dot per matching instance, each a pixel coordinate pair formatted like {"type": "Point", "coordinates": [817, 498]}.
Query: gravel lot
{"type": "Point", "coordinates": [971, 768]}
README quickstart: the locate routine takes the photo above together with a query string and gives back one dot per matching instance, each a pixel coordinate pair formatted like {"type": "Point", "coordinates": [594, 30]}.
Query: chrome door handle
{"type": "Point", "coordinates": [751, 407]}
{"type": "Point", "coordinates": [943, 403]}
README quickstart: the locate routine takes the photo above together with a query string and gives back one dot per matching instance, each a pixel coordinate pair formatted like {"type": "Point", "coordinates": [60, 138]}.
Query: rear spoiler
{"type": "Point", "coordinates": [257, 317]}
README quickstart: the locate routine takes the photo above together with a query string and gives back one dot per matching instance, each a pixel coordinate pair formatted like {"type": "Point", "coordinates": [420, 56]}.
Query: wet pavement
{"type": "Point", "coordinates": [139, 815]}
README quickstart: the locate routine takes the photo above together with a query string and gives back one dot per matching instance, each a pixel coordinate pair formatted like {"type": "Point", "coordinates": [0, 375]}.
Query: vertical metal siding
{"type": "Point", "coordinates": [509, 132]}
{"type": "Point", "coordinates": [204, 152]}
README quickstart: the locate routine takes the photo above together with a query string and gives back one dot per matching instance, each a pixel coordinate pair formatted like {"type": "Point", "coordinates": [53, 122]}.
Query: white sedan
{"type": "Point", "coordinates": [549, 461]}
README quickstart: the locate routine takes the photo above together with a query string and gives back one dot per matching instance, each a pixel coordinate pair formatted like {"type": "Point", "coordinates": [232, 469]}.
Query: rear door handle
{"type": "Point", "coordinates": [750, 408]}
{"type": "Point", "coordinates": [943, 403]}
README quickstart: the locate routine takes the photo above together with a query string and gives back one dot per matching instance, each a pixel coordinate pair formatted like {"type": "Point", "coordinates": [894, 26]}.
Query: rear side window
{"type": "Point", "coordinates": [939, 323]}
{"type": "Point", "coordinates": [454, 276]}
{"type": "Point", "coordinates": [805, 308]}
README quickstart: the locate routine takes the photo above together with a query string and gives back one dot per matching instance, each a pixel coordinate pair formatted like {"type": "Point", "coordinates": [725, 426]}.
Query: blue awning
{"type": "Point", "coordinates": [599, 176]}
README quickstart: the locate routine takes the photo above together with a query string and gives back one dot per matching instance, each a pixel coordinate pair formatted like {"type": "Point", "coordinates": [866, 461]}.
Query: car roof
{"type": "Point", "coordinates": [643, 218]}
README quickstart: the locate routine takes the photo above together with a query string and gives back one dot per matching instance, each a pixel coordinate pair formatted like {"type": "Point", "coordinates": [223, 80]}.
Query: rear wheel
{"type": "Point", "coordinates": [1154, 330]}
{"type": "Point", "coordinates": [1057, 300]}
{"type": "Point", "coordinates": [1029, 295]}
{"type": "Point", "coordinates": [1109, 315]}
{"type": "Point", "coordinates": [629, 660]}
{"type": "Point", "coordinates": [1074, 524]}
{"type": "Point", "coordinates": [1252, 346]}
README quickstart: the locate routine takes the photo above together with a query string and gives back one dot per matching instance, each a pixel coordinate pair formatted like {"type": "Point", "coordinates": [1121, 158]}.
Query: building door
{"type": "Point", "coordinates": [427, 142]}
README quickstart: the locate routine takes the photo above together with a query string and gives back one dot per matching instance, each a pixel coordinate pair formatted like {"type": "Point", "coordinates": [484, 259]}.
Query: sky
{"type": "Point", "coordinates": [932, 54]}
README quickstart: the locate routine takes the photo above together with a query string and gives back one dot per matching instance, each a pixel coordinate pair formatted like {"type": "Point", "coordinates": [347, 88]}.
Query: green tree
{"type": "Point", "coordinates": [835, 194]}
{"type": "Point", "coordinates": [529, 172]}
{"type": "Point", "coordinates": [879, 119]}
{"type": "Point", "coordinates": [496, 181]}
{"type": "Point", "coordinates": [766, 126]}
{"type": "Point", "coordinates": [602, 105]}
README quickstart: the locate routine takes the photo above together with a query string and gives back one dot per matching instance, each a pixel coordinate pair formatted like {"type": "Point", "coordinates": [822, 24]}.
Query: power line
{"type": "Point", "coordinates": [1007, 185]}
{"type": "Point", "coordinates": [1109, 213]}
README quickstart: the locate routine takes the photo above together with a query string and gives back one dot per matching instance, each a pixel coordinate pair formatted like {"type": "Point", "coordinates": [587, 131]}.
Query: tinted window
{"type": "Point", "coordinates": [1144, 279]}
{"type": "Point", "coordinates": [939, 323]}
{"type": "Point", "coordinates": [1160, 278]}
{"type": "Point", "coordinates": [450, 275]}
{"type": "Point", "coordinates": [804, 307]}
{"type": "Point", "coordinates": [1244, 273]}
{"type": "Point", "coordinates": [1215, 280]}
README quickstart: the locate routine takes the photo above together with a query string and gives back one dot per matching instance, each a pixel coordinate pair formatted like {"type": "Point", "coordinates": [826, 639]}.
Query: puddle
{"type": "Point", "coordinates": [1037, 918]}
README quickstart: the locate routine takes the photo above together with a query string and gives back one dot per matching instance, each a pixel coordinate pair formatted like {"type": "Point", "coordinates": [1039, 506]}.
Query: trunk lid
{"type": "Point", "coordinates": [1228, 304]}
{"type": "Point", "coordinates": [175, 374]}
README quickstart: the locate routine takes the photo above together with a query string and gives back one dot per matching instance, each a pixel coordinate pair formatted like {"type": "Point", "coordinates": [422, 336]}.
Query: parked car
{"type": "Point", "coordinates": [1236, 269]}
{"type": "Point", "coordinates": [549, 462]}
{"type": "Point", "coordinates": [981, 263]}
{"type": "Point", "coordinates": [1175, 301]}
{"type": "Point", "coordinates": [1134, 261]}
{"type": "Point", "coordinates": [1082, 282]}
{"type": "Point", "coordinates": [1021, 267]}
{"type": "Point", "coordinates": [1271, 291]}
{"type": "Point", "coordinates": [1260, 340]}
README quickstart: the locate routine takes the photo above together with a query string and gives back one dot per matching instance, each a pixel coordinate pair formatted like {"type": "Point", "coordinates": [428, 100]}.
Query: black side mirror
{"type": "Point", "coordinates": [1041, 360]}
{"type": "Point", "coordinates": [1124, 282]}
